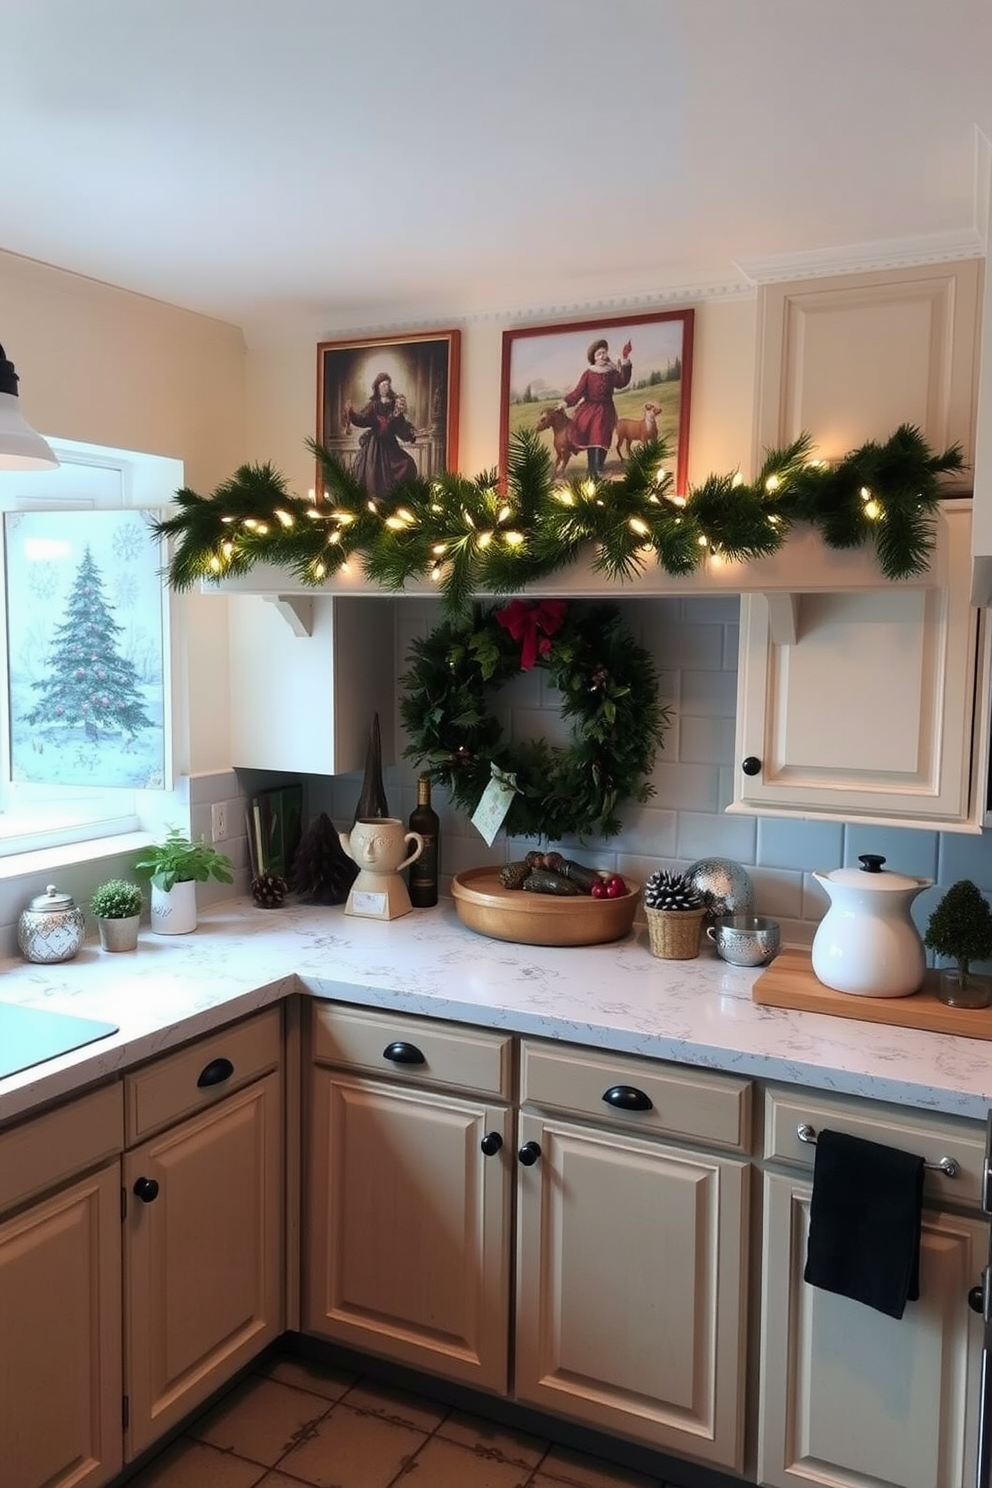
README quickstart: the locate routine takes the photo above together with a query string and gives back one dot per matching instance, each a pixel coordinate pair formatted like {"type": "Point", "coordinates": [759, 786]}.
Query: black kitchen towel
{"type": "Point", "coordinates": [864, 1222]}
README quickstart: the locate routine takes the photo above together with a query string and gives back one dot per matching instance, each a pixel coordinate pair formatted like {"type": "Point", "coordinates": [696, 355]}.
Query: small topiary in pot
{"type": "Point", "coordinates": [674, 909]}
{"type": "Point", "coordinates": [116, 899]}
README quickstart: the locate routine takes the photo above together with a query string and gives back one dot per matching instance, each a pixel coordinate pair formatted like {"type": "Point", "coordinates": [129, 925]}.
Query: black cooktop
{"type": "Point", "coordinates": [29, 1036]}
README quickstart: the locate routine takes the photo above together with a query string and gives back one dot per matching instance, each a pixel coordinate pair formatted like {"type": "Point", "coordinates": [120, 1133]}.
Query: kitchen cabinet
{"type": "Point", "coordinates": [60, 1295]}
{"type": "Point", "coordinates": [848, 1396]}
{"type": "Point", "coordinates": [203, 1230]}
{"type": "Point", "coordinates": [632, 1246]}
{"type": "Point", "coordinates": [864, 705]}
{"type": "Point", "coordinates": [307, 673]}
{"type": "Point", "coordinates": [408, 1194]}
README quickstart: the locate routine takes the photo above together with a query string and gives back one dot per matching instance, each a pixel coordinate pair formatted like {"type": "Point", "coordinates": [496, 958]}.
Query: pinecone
{"type": "Point", "coordinates": [269, 890]}
{"type": "Point", "coordinates": [672, 891]}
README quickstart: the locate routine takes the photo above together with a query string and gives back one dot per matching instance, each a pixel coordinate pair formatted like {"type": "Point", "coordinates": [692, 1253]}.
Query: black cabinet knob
{"type": "Point", "coordinates": [146, 1189]}
{"type": "Point", "coordinates": [752, 765]}
{"type": "Point", "coordinates": [215, 1073]}
{"type": "Point", "coordinates": [529, 1153]}
{"type": "Point", "coordinates": [491, 1143]}
{"type": "Point", "coordinates": [402, 1053]}
{"type": "Point", "coordinates": [976, 1299]}
{"type": "Point", "coordinates": [628, 1098]}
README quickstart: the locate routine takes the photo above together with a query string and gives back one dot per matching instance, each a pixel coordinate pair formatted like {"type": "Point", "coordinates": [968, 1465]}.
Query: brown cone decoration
{"type": "Point", "coordinates": [372, 801]}
{"type": "Point", "coordinates": [322, 871]}
{"type": "Point", "coordinates": [269, 890]}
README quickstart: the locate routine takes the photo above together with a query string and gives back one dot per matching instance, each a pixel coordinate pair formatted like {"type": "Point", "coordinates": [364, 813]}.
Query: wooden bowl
{"type": "Point", "coordinates": [483, 904]}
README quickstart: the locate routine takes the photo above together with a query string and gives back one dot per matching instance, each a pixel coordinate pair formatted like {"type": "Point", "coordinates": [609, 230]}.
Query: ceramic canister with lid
{"type": "Point", "coordinates": [52, 927]}
{"type": "Point", "coordinates": [866, 942]}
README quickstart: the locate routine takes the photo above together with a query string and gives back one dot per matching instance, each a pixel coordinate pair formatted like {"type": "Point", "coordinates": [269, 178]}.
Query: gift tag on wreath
{"type": "Point", "coordinates": [497, 798]}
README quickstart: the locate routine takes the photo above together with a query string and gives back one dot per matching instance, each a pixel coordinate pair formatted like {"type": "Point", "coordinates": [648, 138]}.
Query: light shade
{"type": "Point", "coordinates": [20, 447]}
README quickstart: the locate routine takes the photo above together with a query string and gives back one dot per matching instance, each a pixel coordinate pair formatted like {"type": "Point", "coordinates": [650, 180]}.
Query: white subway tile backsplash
{"type": "Point", "coordinates": [706, 741]}
{"type": "Point", "coordinates": [784, 843]}
{"type": "Point", "coordinates": [685, 787]}
{"type": "Point", "coordinates": [709, 695]}
{"type": "Point", "coordinates": [904, 849]}
{"type": "Point", "coordinates": [964, 856]}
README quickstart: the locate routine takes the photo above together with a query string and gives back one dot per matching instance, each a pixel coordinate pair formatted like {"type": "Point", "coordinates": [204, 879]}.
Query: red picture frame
{"type": "Point", "coordinates": [544, 365]}
{"type": "Point", "coordinates": [420, 436]}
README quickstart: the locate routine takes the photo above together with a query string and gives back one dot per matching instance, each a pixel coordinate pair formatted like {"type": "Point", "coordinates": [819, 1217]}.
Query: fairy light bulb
{"type": "Point", "coordinates": [564, 495]}
{"type": "Point", "coordinates": [738, 480]}
{"type": "Point", "coordinates": [215, 563]}
{"type": "Point", "coordinates": [285, 518]}
{"type": "Point", "coordinates": [872, 510]}
{"type": "Point", "coordinates": [439, 549]}
{"type": "Point", "coordinates": [588, 489]}
{"type": "Point", "coordinates": [513, 539]}
{"type": "Point", "coordinates": [640, 527]}
{"type": "Point", "coordinates": [484, 539]}
{"type": "Point", "coordinates": [318, 569]}
{"type": "Point", "coordinates": [504, 514]}
{"type": "Point", "coordinates": [772, 483]}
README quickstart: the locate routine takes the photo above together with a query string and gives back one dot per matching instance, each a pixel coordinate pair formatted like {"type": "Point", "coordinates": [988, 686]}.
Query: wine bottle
{"type": "Point", "coordinates": [423, 870]}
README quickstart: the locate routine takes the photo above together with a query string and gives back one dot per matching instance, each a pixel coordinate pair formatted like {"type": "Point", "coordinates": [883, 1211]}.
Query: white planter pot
{"type": "Point", "coordinates": [174, 913]}
{"type": "Point", "coordinates": [119, 935]}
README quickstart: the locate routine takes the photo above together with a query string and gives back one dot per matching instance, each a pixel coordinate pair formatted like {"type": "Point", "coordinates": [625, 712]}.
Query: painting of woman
{"type": "Point", "coordinates": [595, 416]}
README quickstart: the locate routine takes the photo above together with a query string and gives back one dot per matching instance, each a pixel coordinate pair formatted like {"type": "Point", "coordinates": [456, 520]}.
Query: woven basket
{"type": "Point", "coordinates": [675, 933]}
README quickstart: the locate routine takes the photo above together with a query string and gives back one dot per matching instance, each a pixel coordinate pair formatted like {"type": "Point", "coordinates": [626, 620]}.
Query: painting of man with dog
{"type": "Point", "coordinates": [593, 406]}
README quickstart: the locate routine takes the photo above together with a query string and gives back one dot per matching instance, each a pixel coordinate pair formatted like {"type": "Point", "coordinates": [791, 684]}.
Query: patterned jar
{"type": "Point", "coordinates": [51, 928]}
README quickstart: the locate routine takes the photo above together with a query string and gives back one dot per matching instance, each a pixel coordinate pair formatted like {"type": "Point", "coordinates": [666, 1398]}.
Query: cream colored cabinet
{"type": "Point", "coordinates": [203, 1233]}
{"type": "Point", "coordinates": [632, 1244]}
{"type": "Point", "coordinates": [851, 1398]}
{"type": "Point", "coordinates": [60, 1296]}
{"type": "Point", "coordinates": [864, 705]}
{"type": "Point", "coordinates": [307, 673]}
{"type": "Point", "coordinates": [408, 1193]}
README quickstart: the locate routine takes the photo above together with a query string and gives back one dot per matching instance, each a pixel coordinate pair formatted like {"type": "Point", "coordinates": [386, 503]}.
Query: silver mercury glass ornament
{"type": "Point", "coordinates": [725, 886]}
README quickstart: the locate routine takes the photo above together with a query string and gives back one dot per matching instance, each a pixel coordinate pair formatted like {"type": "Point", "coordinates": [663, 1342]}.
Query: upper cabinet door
{"type": "Point", "coordinates": [864, 704]}
{"type": "Point", "coordinates": [850, 359]}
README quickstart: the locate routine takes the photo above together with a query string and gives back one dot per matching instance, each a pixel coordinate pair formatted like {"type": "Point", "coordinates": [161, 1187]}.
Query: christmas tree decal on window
{"type": "Point", "coordinates": [90, 684]}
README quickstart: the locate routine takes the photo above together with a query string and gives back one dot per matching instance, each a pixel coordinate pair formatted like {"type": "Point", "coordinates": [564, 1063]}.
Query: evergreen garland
{"type": "Point", "coordinates": [608, 690]}
{"type": "Point", "coordinates": [482, 535]}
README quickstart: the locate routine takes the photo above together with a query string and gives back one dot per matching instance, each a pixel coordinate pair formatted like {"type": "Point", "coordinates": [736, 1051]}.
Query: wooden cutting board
{"type": "Point", "coordinates": [790, 983]}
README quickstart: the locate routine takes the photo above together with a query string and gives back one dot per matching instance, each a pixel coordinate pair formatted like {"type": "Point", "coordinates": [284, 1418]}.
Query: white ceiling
{"type": "Point", "coordinates": [283, 162]}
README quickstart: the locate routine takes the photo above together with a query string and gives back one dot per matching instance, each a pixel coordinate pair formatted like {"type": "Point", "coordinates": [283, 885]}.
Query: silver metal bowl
{"type": "Point", "coordinates": [745, 940]}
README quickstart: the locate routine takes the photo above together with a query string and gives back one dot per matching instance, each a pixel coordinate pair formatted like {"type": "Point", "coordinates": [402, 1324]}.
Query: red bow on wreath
{"type": "Point", "coordinates": [532, 625]}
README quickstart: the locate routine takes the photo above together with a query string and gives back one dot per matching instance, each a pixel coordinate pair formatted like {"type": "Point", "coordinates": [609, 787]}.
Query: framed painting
{"type": "Point", "coordinates": [88, 659]}
{"type": "Point", "coordinates": [595, 389]}
{"type": "Point", "coordinates": [388, 408]}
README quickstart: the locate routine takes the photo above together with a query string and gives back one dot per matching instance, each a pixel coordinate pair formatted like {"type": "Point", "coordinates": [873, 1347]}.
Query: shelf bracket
{"type": "Point", "coordinates": [783, 618]}
{"type": "Point", "coordinates": [296, 610]}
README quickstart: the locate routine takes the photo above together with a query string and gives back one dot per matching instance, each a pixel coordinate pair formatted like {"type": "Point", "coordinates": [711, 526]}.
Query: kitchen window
{"type": "Point", "coordinates": [35, 815]}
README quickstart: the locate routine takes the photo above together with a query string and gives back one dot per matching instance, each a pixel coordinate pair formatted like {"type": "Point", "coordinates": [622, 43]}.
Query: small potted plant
{"type": "Point", "coordinates": [960, 928]}
{"type": "Point", "coordinates": [674, 909]}
{"type": "Point", "coordinates": [116, 905]}
{"type": "Point", "coordinates": [175, 866]}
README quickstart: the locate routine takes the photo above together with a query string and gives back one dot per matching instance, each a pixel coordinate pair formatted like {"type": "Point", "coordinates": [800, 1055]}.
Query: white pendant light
{"type": "Point", "coordinates": [20, 447]}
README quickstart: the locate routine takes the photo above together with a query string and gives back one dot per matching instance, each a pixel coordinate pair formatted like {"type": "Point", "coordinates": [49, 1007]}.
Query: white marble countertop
{"type": "Point", "coordinates": [616, 996]}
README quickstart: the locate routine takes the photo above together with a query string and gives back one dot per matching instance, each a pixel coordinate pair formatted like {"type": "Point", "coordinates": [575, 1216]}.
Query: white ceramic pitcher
{"type": "Point", "coordinates": [866, 942]}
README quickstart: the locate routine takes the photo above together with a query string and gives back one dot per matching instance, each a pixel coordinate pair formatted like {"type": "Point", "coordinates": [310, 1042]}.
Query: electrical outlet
{"type": "Point", "coordinates": [218, 821]}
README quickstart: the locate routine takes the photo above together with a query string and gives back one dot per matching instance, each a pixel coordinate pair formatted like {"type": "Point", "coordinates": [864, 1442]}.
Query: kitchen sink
{"type": "Point", "coordinates": [29, 1036]}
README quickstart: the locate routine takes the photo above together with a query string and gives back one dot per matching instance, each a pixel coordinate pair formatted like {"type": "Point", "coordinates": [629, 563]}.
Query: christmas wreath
{"type": "Point", "coordinates": [608, 690]}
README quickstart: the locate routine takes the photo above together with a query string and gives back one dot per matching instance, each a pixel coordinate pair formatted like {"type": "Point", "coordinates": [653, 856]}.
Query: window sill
{"type": "Point", "coordinates": [70, 854]}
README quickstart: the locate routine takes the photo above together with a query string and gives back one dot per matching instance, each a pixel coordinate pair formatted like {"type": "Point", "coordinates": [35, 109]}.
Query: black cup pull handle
{"type": "Point", "coordinates": [628, 1098]}
{"type": "Point", "coordinates": [403, 1053]}
{"type": "Point", "coordinates": [146, 1189]}
{"type": "Point", "coordinates": [215, 1073]}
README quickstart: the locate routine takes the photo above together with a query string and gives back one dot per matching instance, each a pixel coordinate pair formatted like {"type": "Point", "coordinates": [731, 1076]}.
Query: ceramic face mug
{"type": "Point", "coordinates": [378, 845]}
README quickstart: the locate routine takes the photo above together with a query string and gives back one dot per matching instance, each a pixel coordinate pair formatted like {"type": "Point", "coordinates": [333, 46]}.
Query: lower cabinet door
{"type": "Point", "coordinates": [851, 1397]}
{"type": "Point", "coordinates": [203, 1255]}
{"type": "Point", "coordinates": [60, 1338]}
{"type": "Point", "coordinates": [630, 1288]}
{"type": "Point", "coordinates": [408, 1226]}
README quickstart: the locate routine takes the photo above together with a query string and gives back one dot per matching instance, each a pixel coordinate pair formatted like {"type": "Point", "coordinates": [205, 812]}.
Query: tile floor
{"type": "Point", "coordinates": [298, 1423]}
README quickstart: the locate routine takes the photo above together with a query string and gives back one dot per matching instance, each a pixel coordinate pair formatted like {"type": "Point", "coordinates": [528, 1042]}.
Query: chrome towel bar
{"type": "Point", "coordinates": [949, 1166]}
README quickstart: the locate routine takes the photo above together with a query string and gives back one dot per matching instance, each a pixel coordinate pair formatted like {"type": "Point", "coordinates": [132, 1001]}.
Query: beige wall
{"type": "Point", "coordinates": [282, 395]}
{"type": "Point", "coordinates": [108, 367]}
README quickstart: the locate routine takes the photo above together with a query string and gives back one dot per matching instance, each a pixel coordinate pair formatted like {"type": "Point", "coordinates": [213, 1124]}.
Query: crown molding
{"type": "Point", "coordinates": [863, 258]}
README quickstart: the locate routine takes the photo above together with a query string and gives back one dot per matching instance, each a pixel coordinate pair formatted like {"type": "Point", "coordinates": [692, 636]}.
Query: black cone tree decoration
{"type": "Point", "coordinates": [322, 871]}
{"type": "Point", "coordinates": [372, 801]}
